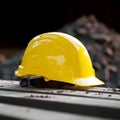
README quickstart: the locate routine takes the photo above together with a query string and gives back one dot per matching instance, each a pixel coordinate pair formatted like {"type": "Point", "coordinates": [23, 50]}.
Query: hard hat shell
{"type": "Point", "coordinates": [58, 56]}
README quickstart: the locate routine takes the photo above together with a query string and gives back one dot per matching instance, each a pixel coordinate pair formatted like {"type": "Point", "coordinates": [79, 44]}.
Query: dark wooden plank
{"type": "Point", "coordinates": [96, 92]}
{"type": "Point", "coordinates": [46, 103]}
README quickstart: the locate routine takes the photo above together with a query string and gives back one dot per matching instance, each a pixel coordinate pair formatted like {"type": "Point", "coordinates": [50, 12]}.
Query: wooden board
{"type": "Point", "coordinates": [98, 103]}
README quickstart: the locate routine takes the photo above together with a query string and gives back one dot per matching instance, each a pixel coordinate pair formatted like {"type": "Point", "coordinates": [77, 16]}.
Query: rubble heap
{"type": "Point", "coordinates": [103, 44]}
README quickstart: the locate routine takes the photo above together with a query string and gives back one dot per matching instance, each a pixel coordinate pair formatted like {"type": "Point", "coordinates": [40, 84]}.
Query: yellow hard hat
{"type": "Point", "coordinates": [60, 57]}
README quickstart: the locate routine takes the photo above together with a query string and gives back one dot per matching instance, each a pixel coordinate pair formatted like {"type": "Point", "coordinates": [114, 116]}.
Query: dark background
{"type": "Point", "coordinates": [22, 20]}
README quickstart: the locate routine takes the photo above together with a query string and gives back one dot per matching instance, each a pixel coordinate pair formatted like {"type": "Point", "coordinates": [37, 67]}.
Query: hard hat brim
{"type": "Point", "coordinates": [90, 81]}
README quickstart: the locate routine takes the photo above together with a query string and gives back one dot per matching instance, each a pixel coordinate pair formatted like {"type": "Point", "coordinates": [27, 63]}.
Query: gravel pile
{"type": "Point", "coordinates": [103, 45]}
{"type": "Point", "coordinates": [8, 66]}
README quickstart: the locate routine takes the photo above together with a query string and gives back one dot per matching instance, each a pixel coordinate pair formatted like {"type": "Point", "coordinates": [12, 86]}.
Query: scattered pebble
{"type": "Point", "coordinates": [109, 95]}
{"type": "Point", "coordinates": [87, 92]}
{"type": "Point", "coordinates": [40, 96]}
